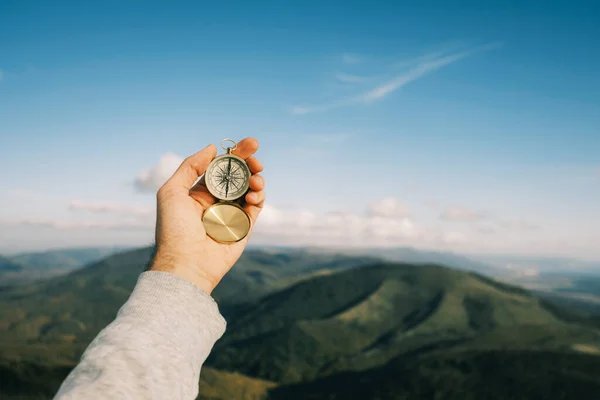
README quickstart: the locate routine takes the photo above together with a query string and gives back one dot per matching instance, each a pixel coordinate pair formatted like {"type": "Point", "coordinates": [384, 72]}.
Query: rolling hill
{"type": "Point", "coordinates": [9, 265]}
{"type": "Point", "coordinates": [489, 375]}
{"type": "Point", "coordinates": [306, 325]}
{"type": "Point", "coordinates": [30, 267]}
{"type": "Point", "coordinates": [363, 318]}
{"type": "Point", "coordinates": [64, 258]}
{"type": "Point", "coordinates": [53, 320]}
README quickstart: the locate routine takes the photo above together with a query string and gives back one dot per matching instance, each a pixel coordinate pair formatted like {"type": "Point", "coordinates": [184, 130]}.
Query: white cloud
{"type": "Point", "coordinates": [425, 67]}
{"type": "Point", "coordinates": [454, 238]}
{"type": "Point", "coordinates": [389, 207]}
{"type": "Point", "coordinates": [519, 224]}
{"type": "Point", "coordinates": [461, 214]}
{"type": "Point", "coordinates": [488, 230]}
{"type": "Point", "coordinates": [124, 224]}
{"type": "Point", "coordinates": [385, 223]}
{"type": "Point", "coordinates": [112, 208]}
{"type": "Point", "coordinates": [419, 71]}
{"type": "Point", "coordinates": [152, 179]}
{"type": "Point", "coordinates": [349, 58]}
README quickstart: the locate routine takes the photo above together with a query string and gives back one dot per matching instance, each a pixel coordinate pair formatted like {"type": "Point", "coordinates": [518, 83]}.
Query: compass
{"type": "Point", "coordinates": [227, 178]}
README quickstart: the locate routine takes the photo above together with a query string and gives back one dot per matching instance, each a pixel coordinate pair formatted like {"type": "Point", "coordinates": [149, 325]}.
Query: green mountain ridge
{"type": "Point", "coordinates": [68, 258]}
{"type": "Point", "coordinates": [364, 317]}
{"type": "Point", "coordinates": [9, 265]}
{"type": "Point", "coordinates": [311, 325]}
{"type": "Point", "coordinates": [36, 266]}
{"type": "Point", "coordinates": [51, 319]}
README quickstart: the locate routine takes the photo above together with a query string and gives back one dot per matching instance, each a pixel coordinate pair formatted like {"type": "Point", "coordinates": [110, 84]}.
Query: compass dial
{"type": "Point", "coordinates": [227, 177]}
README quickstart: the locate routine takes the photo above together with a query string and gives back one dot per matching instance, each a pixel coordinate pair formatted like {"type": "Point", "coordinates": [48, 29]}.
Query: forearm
{"type": "Point", "coordinates": [154, 348]}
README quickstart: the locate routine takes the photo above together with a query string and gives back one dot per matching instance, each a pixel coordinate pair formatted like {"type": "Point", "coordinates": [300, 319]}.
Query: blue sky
{"type": "Point", "coordinates": [471, 128]}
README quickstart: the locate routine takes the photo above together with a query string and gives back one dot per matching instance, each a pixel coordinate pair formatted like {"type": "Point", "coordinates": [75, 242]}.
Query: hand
{"type": "Point", "coordinates": [182, 246]}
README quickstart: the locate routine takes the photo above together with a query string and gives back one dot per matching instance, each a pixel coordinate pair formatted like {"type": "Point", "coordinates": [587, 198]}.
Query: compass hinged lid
{"type": "Point", "coordinates": [226, 222]}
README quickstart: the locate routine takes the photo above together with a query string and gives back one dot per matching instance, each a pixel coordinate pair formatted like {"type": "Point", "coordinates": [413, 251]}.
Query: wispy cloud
{"type": "Point", "coordinates": [423, 68]}
{"type": "Point", "coordinates": [519, 224]}
{"type": "Point", "coordinates": [112, 208]}
{"type": "Point", "coordinates": [68, 224]}
{"type": "Point", "coordinates": [389, 207]}
{"type": "Point", "coordinates": [461, 214]}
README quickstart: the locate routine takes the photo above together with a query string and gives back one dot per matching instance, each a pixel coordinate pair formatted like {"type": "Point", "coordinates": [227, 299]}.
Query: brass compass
{"type": "Point", "coordinates": [227, 178]}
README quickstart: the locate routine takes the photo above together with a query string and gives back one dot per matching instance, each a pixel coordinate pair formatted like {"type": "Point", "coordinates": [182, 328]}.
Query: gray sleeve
{"type": "Point", "coordinates": [154, 348]}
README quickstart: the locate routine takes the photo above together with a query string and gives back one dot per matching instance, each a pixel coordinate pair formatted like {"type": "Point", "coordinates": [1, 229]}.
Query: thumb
{"type": "Point", "coordinates": [192, 168]}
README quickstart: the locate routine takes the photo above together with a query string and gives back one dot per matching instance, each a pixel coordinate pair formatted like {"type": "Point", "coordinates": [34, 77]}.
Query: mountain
{"type": "Point", "coordinates": [578, 291]}
{"type": "Point", "coordinates": [64, 258]}
{"type": "Point", "coordinates": [411, 255]}
{"type": "Point", "coordinates": [362, 318]}
{"type": "Point", "coordinates": [51, 320]}
{"type": "Point", "coordinates": [37, 266]}
{"type": "Point", "coordinates": [8, 265]}
{"type": "Point", "coordinates": [490, 375]}
{"type": "Point", "coordinates": [29, 381]}
{"type": "Point", "coordinates": [314, 325]}
{"type": "Point", "coordinates": [517, 266]}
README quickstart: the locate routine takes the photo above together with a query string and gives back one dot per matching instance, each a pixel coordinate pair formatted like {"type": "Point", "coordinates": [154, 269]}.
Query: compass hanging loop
{"type": "Point", "coordinates": [228, 149]}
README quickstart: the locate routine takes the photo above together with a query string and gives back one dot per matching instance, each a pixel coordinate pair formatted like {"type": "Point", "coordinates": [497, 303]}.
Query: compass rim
{"type": "Point", "coordinates": [213, 190]}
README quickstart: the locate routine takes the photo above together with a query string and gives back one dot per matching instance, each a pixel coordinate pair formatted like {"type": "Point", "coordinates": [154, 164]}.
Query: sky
{"type": "Point", "coordinates": [470, 127]}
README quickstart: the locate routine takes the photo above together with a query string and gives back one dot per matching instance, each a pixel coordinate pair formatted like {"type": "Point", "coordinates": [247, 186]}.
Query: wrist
{"type": "Point", "coordinates": [184, 268]}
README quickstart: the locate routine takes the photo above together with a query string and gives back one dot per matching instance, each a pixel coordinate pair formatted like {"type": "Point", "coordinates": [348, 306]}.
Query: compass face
{"type": "Point", "coordinates": [227, 177]}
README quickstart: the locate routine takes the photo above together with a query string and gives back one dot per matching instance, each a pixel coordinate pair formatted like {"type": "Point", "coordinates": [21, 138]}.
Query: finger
{"type": "Point", "coordinates": [254, 164]}
{"type": "Point", "coordinates": [201, 194]}
{"type": "Point", "coordinates": [253, 210]}
{"type": "Point", "coordinates": [257, 182]}
{"type": "Point", "coordinates": [192, 167]}
{"type": "Point", "coordinates": [254, 198]}
{"type": "Point", "coordinates": [246, 147]}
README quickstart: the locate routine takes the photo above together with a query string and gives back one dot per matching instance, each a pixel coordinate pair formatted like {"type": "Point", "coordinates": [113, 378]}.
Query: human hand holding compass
{"type": "Point", "coordinates": [186, 206]}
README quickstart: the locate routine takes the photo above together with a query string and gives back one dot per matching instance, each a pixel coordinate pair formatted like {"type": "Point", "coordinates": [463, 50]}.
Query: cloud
{"type": "Point", "coordinates": [423, 68]}
{"type": "Point", "coordinates": [417, 72]}
{"type": "Point", "coordinates": [519, 224]}
{"type": "Point", "coordinates": [389, 207]}
{"type": "Point", "coordinates": [488, 230]}
{"type": "Point", "coordinates": [343, 227]}
{"type": "Point", "coordinates": [461, 214]}
{"type": "Point", "coordinates": [349, 58]}
{"type": "Point", "coordinates": [454, 238]}
{"type": "Point", "coordinates": [125, 224]}
{"type": "Point", "coordinates": [152, 179]}
{"type": "Point", "coordinates": [349, 78]}
{"type": "Point", "coordinates": [385, 223]}
{"type": "Point", "coordinates": [112, 208]}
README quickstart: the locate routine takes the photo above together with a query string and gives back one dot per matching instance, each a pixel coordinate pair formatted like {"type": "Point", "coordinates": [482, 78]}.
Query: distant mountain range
{"type": "Point", "coordinates": [306, 324]}
{"type": "Point", "coordinates": [10, 265]}
{"type": "Point", "coordinates": [28, 267]}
